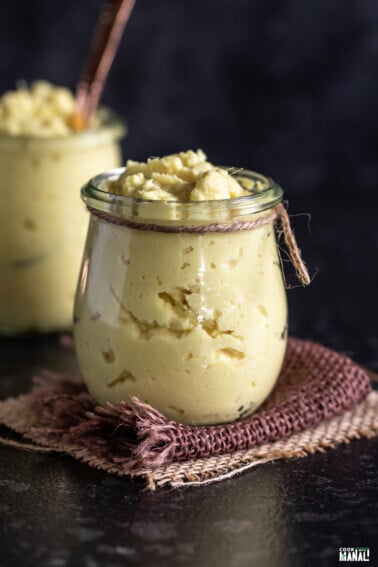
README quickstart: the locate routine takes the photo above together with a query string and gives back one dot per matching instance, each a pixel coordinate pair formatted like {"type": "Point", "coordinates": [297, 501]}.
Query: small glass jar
{"type": "Point", "coordinates": [43, 224]}
{"type": "Point", "coordinates": [182, 304]}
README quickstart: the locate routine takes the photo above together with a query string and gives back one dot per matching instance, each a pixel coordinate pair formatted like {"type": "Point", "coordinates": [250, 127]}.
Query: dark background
{"type": "Point", "coordinates": [285, 87]}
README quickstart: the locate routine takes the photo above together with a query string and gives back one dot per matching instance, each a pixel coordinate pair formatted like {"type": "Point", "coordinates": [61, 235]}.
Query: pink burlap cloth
{"type": "Point", "coordinates": [315, 384]}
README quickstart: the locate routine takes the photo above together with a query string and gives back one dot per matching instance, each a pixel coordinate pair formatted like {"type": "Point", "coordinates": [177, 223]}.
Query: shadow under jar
{"type": "Point", "coordinates": [43, 225]}
{"type": "Point", "coordinates": [181, 304]}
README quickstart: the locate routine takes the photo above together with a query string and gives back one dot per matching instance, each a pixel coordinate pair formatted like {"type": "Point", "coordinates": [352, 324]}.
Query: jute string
{"type": "Point", "coordinates": [277, 214]}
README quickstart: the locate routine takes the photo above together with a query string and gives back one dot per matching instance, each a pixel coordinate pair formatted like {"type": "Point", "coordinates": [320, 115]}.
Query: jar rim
{"type": "Point", "coordinates": [97, 198]}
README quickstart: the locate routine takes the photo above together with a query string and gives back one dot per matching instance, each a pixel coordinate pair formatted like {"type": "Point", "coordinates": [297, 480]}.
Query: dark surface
{"type": "Point", "coordinates": [57, 512]}
{"type": "Point", "coordinates": [285, 87]}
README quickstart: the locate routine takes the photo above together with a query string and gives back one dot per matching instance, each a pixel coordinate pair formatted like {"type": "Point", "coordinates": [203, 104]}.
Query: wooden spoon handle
{"type": "Point", "coordinates": [107, 35]}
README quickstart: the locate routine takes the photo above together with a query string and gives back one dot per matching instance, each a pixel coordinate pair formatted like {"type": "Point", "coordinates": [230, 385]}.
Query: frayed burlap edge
{"type": "Point", "coordinates": [360, 422]}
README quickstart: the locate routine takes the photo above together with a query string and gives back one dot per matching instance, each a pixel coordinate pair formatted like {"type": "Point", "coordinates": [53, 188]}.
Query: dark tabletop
{"type": "Point", "coordinates": [55, 511]}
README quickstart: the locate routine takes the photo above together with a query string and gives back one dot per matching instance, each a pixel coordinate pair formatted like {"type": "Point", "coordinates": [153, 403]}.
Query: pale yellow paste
{"type": "Point", "coordinates": [185, 176]}
{"type": "Point", "coordinates": [43, 224]}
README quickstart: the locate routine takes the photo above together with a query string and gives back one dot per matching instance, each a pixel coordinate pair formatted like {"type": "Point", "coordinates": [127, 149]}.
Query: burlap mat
{"type": "Point", "coordinates": [321, 399]}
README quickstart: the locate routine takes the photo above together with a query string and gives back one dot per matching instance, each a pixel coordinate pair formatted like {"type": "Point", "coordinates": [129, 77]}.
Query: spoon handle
{"type": "Point", "coordinates": [107, 35]}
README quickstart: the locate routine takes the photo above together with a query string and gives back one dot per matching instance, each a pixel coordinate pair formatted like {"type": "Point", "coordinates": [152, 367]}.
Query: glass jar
{"type": "Point", "coordinates": [182, 304]}
{"type": "Point", "coordinates": [43, 224]}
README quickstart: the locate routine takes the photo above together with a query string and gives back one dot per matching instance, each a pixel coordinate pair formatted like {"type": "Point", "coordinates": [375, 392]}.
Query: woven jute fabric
{"type": "Point", "coordinates": [321, 399]}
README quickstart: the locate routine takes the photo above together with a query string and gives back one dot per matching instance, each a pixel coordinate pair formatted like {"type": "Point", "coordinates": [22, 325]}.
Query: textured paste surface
{"type": "Point", "coordinates": [43, 110]}
{"type": "Point", "coordinates": [185, 176]}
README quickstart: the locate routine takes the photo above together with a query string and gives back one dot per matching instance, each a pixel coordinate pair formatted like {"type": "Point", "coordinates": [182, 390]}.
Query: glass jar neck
{"type": "Point", "coordinates": [101, 202]}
